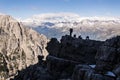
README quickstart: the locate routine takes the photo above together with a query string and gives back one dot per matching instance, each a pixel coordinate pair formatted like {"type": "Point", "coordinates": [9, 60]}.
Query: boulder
{"type": "Point", "coordinates": [53, 47]}
{"type": "Point", "coordinates": [59, 67]}
{"type": "Point", "coordinates": [106, 58]}
{"type": "Point", "coordinates": [75, 49]}
{"type": "Point", "coordinates": [80, 72]}
{"type": "Point", "coordinates": [116, 70]}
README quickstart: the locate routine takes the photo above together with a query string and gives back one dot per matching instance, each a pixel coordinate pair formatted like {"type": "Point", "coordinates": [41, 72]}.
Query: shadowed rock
{"type": "Point", "coordinates": [75, 49]}
{"type": "Point", "coordinates": [77, 59]}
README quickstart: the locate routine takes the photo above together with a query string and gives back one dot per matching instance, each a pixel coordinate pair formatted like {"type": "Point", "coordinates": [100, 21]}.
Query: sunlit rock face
{"type": "Point", "coordinates": [19, 46]}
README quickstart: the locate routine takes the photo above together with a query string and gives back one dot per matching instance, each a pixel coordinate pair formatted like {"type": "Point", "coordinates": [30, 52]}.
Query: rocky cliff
{"type": "Point", "coordinates": [73, 48]}
{"type": "Point", "coordinates": [65, 62]}
{"type": "Point", "coordinates": [19, 46]}
{"type": "Point", "coordinates": [63, 56]}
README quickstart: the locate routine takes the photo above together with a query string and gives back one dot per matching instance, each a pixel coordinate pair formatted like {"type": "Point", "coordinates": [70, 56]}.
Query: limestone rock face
{"type": "Point", "coordinates": [19, 46]}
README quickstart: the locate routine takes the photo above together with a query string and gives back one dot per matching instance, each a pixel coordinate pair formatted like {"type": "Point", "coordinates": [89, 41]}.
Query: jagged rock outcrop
{"type": "Point", "coordinates": [108, 55]}
{"type": "Point", "coordinates": [107, 62]}
{"type": "Point", "coordinates": [69, 52]}
{"type": "Point", "coordinates": [63, 57]}
{"type": "Point", "coordinates": [75, 49]}
{"type": "Point", "coordinates": [19, 46]}
{"type": "Point", "coordinates": [35, 72]}
{"type": "Point", "coordinates": [60, 68]}
{"type": "Point", "coordinates": [99, 60]}
{"type": "Point", "coordinates": [87, 72]}
{"type": "Point", "coordinates": [80, 72]}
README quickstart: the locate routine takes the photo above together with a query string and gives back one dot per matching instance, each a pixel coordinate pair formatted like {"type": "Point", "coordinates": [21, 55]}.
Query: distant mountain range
{"type": "Point", "coordinates": [56, 25]}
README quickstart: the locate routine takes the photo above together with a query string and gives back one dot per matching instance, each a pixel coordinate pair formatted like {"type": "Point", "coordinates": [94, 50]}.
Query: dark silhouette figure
{"type": "Point", "coordinates": [74, 36]}
{"type": "Point", "coordinates": [87, 37]}
{"type": "Point", "coordinates": [80, 37]}
{"type": "Point", "coordinates": [71, 31]}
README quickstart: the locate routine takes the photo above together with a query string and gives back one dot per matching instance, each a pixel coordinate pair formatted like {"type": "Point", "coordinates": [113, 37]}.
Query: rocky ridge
{"type": "Point", "coordinates": [19, 46]}
{"type": "Point", "coordinates": [67, 60]}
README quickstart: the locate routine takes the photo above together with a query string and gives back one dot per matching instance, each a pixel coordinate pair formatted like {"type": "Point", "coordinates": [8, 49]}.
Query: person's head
{"type": "Point", "coordinates": [74, 35]}
{"type": "Point", "coordinates": [71, 30]}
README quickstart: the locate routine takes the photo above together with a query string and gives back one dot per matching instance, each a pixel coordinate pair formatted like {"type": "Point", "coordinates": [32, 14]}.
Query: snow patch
{"type": "Point", "coordinates": [93, 66]}
{"type": "Point", "coordinates": [109, 73]}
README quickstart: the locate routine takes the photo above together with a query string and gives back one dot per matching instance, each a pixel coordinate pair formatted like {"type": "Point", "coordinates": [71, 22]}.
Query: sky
{"type": "Point", "coordinates": [27, 8]}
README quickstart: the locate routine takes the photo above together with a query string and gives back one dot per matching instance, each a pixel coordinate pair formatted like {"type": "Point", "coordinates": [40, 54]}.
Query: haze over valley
{"type": "Point", "coordinates": [58, 24]}
{"type": "Point", "coordinates": [59, 40]}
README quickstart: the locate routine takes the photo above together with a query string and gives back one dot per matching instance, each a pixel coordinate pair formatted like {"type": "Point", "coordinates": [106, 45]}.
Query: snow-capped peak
{"type": "Point", "coordinates": [35, 20]}
{"type": "Point", "coordinates": [58, 23]}
{"type": "Point", "coordinates": [67, 17]}
{"type": "Point", "coordinates": [53, 17]}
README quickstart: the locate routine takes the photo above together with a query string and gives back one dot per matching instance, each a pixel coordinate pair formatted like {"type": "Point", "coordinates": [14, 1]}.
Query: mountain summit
{"type": "Point", "coordinates": [19, 46]}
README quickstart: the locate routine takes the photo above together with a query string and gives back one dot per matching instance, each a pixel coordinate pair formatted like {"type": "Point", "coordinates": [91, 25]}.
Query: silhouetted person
{"type": "Point", "coordinates": [87, 37]}
{"type": "Point", "coordinates": [74, 36]}
{"type": "Point", "coordinates": [71, 31]}
{"type": "Point", "coordinates": [80, 37]}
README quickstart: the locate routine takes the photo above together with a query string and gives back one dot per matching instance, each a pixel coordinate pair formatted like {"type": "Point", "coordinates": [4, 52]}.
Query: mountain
{"type": "Point", "coordinates": [19, 46]}
{"type": "Point", "coordinates": [56, 25]}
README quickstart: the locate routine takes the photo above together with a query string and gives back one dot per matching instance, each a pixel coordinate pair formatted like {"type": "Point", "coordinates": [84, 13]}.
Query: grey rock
{"type": "Point", "coordinates": [34, 72]}
{"type": "Point", "coordinates": [60, 68]}
{"type": "Point", "coordinates": [53, 47]}
{"type": "Point", "coordinates": [116, 70]}
{"type": "Point", "coordinates": [97, 77]}
{"type": "Point", "coordinates": [105, 57]}
{"type": "Point", "coordinates": [73, 59]}
{"type": "Point", "coordinates": [19, 46]}
{"type": "Point", "coordinates": [75, 49]}
{"type": "Point", "coordinates": [80, 72]}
